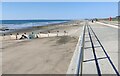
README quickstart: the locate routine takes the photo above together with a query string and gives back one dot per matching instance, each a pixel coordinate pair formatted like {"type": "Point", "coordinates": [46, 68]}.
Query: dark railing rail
{"type": "Point", "coordinates": [105, 52]}
{"type": "Point", "coordinates": [75, 66]}
{"type": "Point", "coordinates": [80, 60]}
{"type": "Point", "coordinates": [77, 61]}
{"type": "Point", "coordinates": [93, 48]}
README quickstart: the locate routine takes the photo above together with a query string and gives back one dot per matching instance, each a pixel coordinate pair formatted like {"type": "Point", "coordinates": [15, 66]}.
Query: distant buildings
{"type": "Point", "coordinates": [118, 17]}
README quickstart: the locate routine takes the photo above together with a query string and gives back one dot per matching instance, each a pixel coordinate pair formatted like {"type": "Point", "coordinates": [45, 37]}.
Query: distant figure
{"type": "Point", "coordinates": [92, 21]}
{"type": "Point", "coordinates": [110, 19]}
{"type": "Point", "coordinates": [96, 19]}
{"type": "Point", "coordinates": [10, 36]}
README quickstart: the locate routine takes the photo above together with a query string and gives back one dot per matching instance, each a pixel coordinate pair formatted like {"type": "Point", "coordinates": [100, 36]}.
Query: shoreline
{"type": "Point", "coordinates": [43, 30]}
{"type": "Point", "coordinates": [30, 28]}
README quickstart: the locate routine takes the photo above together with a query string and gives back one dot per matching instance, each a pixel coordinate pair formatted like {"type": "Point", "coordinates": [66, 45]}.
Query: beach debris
{"type": "Point", "coordinates": [25, 33]}
{"type": "Point", "coordinates": [32, 36]}
{"type": "Point", "coordinates": [10, 36]}
{"type": "Point", "coordinates": [37, 36]}
{"type": "Point", "coordinates": [3, 36]}
{"type": "Point", "coordinates": [48, 33]}
{"type": "Point", "coordinates": [23, 37]}
{"type": "Point", "coordinates": [32, 32]}
{"type": "Point", "coordinates": [64, 32]}
{"type": "Point", "coordinates": [17, 33]}
{"type": "Point", "coordinates": [57, 33]}
{"type": "Point", "coordinates": [92, 21]}
{"type": "Point", "coordinates": [17, 36]}
{"type": "Point", "coordinates": [40, 34]}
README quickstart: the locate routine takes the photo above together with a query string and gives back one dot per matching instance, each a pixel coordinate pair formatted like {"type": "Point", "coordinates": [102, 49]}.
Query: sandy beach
{"type": "Point", "coordinates": [45, 55]}
{"type": "Point", "coordinates": [59, 38]}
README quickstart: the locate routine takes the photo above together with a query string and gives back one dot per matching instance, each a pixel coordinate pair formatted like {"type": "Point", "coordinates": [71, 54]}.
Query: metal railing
{"type": "Point", "coordinates": [75, 66]}
{"type": "Point", "coordinates": [81, 49]}
{"type": "Point", "coordinates": [103, 49]}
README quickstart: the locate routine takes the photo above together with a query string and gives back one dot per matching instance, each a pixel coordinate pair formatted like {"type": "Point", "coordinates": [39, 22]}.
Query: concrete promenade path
{"type": "Point", "coordinates": [108, 36]}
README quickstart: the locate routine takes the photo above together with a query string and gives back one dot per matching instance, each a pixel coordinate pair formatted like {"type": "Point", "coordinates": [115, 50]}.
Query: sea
{"type": "Point", "coordinates": [10, 25]}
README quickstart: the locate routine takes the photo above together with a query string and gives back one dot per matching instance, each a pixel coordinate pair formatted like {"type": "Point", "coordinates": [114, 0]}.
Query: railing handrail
{"type": "Point", "coordinates": [81, 49]}
{"type": "Point", "coordinates": [75, 66]}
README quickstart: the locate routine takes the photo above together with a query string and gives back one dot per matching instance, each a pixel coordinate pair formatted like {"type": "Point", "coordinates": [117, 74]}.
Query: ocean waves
{"type": "Point", "coordinates": [16, 25]}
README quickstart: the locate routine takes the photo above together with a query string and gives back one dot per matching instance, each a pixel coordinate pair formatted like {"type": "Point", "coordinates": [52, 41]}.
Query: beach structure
{"type": "Point", "coordinates": [57, 33]}
{"type": "Point", "coordinates": [65, 33]}
{"type": "Point", "coordinates": [32, 36]}
{"type": "Point", "coordinates": [48, 33]}
{"type": "Point", "coordinates": [3, 36]}
{"type": "Point", "coordinates": [78, 61]}
{"type": "Point", "coordinates": [17, 36]}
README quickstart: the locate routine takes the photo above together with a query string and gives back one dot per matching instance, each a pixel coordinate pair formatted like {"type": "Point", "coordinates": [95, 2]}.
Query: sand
{"type": "Point", "coordinates": [44, 55]}
{"type": "Point", "coordinates": [52, 55]}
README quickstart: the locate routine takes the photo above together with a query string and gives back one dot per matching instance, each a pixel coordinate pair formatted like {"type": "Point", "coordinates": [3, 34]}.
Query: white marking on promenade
{"type": "Point", "coordinates": [114, 26]}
